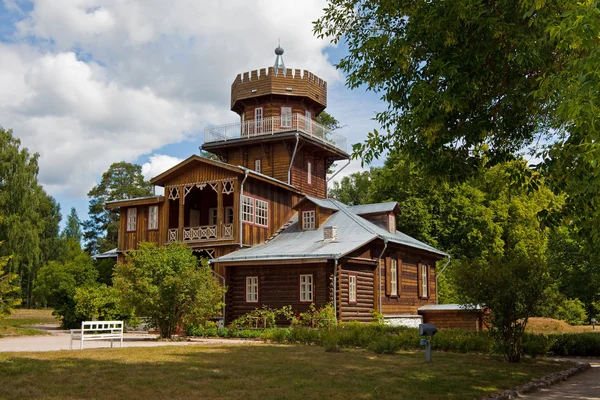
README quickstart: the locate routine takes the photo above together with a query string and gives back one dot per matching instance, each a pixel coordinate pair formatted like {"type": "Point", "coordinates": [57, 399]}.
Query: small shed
{"type": "Point", "coordinates": [456, 316]}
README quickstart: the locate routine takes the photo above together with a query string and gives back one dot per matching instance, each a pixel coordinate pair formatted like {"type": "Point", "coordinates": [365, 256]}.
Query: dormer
{"type": "Point", "coordinates": [313, 212]}
{"type": "Point", "coordinates": [381, 214]}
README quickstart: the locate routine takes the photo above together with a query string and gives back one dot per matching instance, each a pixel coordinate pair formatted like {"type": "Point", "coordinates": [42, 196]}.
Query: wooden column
{"type": "Point", "coordinates": [220, 210]}
{"type": "Point", "coordinates": [181, 213]}
{"type": "Point", "coordinates": [339, 292]}
{"type": "Point", "coordinates": [164, 221]}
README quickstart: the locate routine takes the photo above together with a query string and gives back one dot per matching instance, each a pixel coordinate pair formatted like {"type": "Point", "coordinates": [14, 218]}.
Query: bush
{"type": "Point", "coordinates": [264, 317]}
{"type": "Point", "coordinates": [575, 344]}
{"type": "Point", "coordinates": [387, 344]}
{"type": "Point", "coordinates": [102, 303]}
{"type": "Point", "coordinates": [572, 311]}
{"type": "Point", "coordinates": [330, 340]}
{"type": "Point", "coordinates": [314, 317]}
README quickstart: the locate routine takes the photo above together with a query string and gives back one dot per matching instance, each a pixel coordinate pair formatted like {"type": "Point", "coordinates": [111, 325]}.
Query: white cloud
{"type": "Point", "coordinates": [157, 164]}
{"type": "Point", "coordinates": [90, 82]}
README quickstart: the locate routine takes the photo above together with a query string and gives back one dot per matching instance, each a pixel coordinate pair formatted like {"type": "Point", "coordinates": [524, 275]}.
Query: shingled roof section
{"type": "Point", "coordinates": [353, 232]}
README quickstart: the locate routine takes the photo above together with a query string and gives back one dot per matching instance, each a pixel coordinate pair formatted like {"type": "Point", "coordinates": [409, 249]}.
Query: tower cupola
{"type": "Point", "coordinates": [279, 65]}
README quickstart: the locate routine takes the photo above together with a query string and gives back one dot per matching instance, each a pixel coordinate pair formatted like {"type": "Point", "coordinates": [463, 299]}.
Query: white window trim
{"type": "Point", "coordinates": [247, 209]}
{"type": "Point", "coordinates": [261, 205]}
{"type": "Point", "coordinates": [351, 288]}
{"type": "Point", "coordinates": [307, 288]}
{"type": "Point", "coordinates": [213, 216]}
{"type": "Point", "coordinates": [252, 289]}
{"type": "Point", "coordinates": [258, 119]}
{"type": "Point", "coordinates": [392, 223]}
{"type": "Point", "coordinates": [308, 220]}
{"type": "Point", "coordinates": [394, 277]}
{"type": "Point", "coordinates": [152, 217]}
{"type": "Point", "coordinates": [286, 118]}
{"type": "Point", "coordinates": [308, 116]}
{"type": "Point", "coordinates": [131, 219]}
{"type": "Point", "coordinates": [424, 282]}
{"type": "Point", "coordinates": [258, 165]}
{"type": "Point", "coordinates": [309, 172]}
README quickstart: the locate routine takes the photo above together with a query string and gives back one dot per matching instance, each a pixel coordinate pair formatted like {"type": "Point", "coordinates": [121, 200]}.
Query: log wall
{"type": "Point", "coordinates": [362, 310]}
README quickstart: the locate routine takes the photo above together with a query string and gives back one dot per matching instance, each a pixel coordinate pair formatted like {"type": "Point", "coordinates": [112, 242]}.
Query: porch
{"type": "Point", "coordinates": [201, 211]}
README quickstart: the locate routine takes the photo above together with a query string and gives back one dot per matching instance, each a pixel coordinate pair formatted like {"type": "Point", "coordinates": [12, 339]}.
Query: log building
{"type": "Point", "coordinates": [261, 212]}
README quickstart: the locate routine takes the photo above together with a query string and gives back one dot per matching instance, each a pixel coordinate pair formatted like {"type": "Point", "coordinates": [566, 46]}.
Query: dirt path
{"type": "Point", "coordinates": [583, 386]}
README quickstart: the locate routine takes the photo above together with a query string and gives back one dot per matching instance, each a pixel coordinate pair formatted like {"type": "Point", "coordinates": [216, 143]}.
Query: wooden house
{"type": "Point", "coordinates": [261, 213]}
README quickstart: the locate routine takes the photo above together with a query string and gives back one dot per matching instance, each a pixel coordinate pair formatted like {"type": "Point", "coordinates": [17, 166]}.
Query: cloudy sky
{"type": "Point", "coordinates": [86, 83]}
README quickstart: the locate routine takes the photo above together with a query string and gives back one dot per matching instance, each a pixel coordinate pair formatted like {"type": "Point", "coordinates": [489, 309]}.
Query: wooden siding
{"type": "Point", "coordinates": [129, 239]}
{"type": "Point", "coordinates": [459, 319]}
{"type": "Point", "coordinates": [280, 210]}
{"type": "Point", "coordinates": [274, 157]}
{"type": "Point", "coordinates": [318, 184]}
{"type": "Point", "coordinates": [278, 286]}
{"type": "Point", "coordinates": [362, 310]}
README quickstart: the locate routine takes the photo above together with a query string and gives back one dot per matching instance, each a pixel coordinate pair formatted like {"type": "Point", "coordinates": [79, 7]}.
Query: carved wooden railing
{"type": "Point", "coordinates": [201, 233]}
{"type": "Point", "coordinates": [227, 232]}
{"type": "Point", "coordinates": [173, 235]}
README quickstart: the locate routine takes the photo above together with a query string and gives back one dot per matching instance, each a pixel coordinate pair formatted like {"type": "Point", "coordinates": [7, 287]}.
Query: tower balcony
{"type": "Point", "coordinates": [273, 126]}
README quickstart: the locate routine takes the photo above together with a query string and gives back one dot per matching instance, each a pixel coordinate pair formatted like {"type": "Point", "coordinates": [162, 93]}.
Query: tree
{"type": "Point", "coordinates": [352, 189]}
{"type": "Point", "coordinates": [9, 290]}
{"type": "Point", "coordinates": [72, 229]}
{"type": "Point", "coordinates": [167, 285]}
{"type": "Point", "coordinates": [57, 282]}
{"type": "Point", "coordinates": [471, 84]}
{"type": "Point", "coordinates": [30, 227]}
{"type": "Point", "coordinates": [121, 181]}
{"type": "Point", "coordinates": [328, 121]}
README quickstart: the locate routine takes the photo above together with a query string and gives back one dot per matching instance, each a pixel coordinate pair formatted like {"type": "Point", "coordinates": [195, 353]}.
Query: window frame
{"type": "Point", "coordinates": [250, 213]}
{"type": "Point", "coordinates": [309, 172]}
{"type": "Point", "coordinates": [393, 277]}
{"type": "Point", "coordinates": [225, 211]}
{"type": "Point", "coordinates": [152, 226]}
{"type": "Point", "coordinates": [262, 217]}
{"type": "Point", "coordinates": [308, 116]}
{"type": "Point", "coordinates": [424, 280]}
{"type": "Point", "coordinates": [258, 165]}
{"type": "Point", "coordinates": [132, 216]}
{"type": "Point", "coordinates": [213, 215]}
{"type": "Point", "coordinates": [392, 223]}
{"type": "Point", "coordinates": [352, 276]}
{"type": "Point", "coordinates": [251, 281]}
{"type": "Point", "coordinates": [311, 226]}
{"type": "Point", "coordinates": [258, 119]}
{"type": "Point", "coordinates": [286, 117]}
{"type": "Point", "coordinates": [305, 285]}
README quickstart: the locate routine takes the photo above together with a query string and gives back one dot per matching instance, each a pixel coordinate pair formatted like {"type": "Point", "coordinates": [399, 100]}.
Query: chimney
{"type": "Point", "coordinates": [330, 233]}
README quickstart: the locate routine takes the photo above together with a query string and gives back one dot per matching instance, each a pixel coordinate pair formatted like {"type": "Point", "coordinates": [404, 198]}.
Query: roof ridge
{"type": "Point", "coordinates": [354, 218]}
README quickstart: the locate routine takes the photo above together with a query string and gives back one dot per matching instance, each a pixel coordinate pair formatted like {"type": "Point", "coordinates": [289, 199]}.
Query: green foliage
{"type": "Point", "coordinates": [263, 318]}
{"type": "Point", "coordinates": [57, 284]}
{"type": "Point", "coordinates": [572, 311]}
{"type": "Point", "coordinates": [328, 121]}
{"type": "Point", "coordinates": [31, 217]}
{"type": "Point", "coordinates": [100, 302]}
{"type": "Point", "coordinates": [314, 317]}
{"type": "Point", "coordinates": [352, 189]}
{"type": "Point", "coordinates": [72, 229]}
{"type": "Point", "coordinates": [121, 181]}
{"type": "Point", "coordinates": [169, 286]}
{"type": "Point", "coordinates": [9, 290]}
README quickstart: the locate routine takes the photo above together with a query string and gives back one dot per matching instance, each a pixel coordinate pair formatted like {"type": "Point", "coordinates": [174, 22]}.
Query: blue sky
{"type": "Point", "coordinates": [90, 82]}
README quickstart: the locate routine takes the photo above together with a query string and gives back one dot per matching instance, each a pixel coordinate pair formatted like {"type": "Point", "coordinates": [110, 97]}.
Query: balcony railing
{"type": "Point", "coordinates": [201, 233]}
{"type": "Point", "coordinates": [274, 125]}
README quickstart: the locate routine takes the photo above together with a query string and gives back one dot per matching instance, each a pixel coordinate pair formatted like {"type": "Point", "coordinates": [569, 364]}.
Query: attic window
{"type": "Point", "coordinates": [392, 223]}
{"type": "Point", "coordinates": [308, 220]}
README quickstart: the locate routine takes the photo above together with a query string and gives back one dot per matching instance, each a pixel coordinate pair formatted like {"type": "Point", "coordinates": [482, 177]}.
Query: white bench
{"type": "Point", "coordinates": [98, 330]}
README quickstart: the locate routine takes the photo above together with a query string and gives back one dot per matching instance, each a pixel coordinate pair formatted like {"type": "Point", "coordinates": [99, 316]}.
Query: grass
{"type": "Point", "coordinates": [549, 325]}
{"type": "Point", "coordinates": [16, 323]}
{"type": "Point", "coordinates": [257, 372]}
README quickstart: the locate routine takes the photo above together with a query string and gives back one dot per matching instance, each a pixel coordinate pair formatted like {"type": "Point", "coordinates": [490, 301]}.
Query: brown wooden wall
{"type": "Point", "coordinates": [273, 109]}
{"type": "Point", "coordinates": [275, 158]}
{"type": "Point", "coordinates": [280, 210]}
{"type": "Point", "coordinates": [317, 187]}
{"type": "Point", "coordinates": [129, 240]}
{"type": "Point", "coordinates": [278, 286]}
{"type": "Point", "coordinates": [362, 310]}
{"type": "Point", "coordinates": [459, 319]}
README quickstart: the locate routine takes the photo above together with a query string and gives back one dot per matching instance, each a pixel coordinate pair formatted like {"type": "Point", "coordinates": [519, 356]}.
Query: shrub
{"type": "Point", "coordinates": [264, 317]}
{"type": "Point", "coordinates": [537, 345]}
{"type": "Point", "coordinates": [572, 311]}
{"type": "Point", "coordinates": [281, 335]}
{"type": "Point", "coordinates": [101, 302]}
{"type": "Point", "coordinates": [387, 344]}
{"type": "Point", "coordinates": [314, 317]}
{"type": "Point", "coordinates": [330, 340]}
{"type": "Point", "coordinates": [575, 344]}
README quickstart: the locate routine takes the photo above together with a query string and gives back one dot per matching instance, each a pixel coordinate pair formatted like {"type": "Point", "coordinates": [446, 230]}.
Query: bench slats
{"type": "Point", "coordinates": [98, 330]}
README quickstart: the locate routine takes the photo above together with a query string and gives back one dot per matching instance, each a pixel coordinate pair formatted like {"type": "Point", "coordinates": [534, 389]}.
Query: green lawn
{"type": "Point", "coordinates": [257, 372]}
{"type": "Point", "coordinates": [13, 325]}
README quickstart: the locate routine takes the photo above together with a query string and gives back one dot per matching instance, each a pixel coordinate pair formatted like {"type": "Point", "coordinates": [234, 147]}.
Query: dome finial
{"type": "Point", "coordinates": [279, 65]}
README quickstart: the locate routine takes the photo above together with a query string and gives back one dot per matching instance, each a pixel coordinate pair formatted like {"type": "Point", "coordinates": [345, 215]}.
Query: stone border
{"type": "Point", "coordinates": [546, 381]}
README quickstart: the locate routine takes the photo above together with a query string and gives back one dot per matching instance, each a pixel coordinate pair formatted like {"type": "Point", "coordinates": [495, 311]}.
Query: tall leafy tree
{"type": "Point", "coordinates": [121, 181]}
{"type": "Point", "coordinates": [72, 229]}
{"type": "Point", "coordinates": [9, 290]}
{"type": "Point", "coordinates": [471, 84]}
{"type": "Point", "coordinates": [30, 226]}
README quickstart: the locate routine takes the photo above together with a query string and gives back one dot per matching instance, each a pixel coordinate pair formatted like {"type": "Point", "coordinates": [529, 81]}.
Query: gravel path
{"type": "Point", "coordinates": [582, 386]}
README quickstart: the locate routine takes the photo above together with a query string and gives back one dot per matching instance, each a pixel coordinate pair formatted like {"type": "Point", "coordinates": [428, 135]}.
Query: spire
{"type": "Point", "coordinates": [279, 65]}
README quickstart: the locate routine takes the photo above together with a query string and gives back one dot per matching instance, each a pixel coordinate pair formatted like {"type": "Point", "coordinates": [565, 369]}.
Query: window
{"type": "Point", "coordinates": [153, 217]}
{"type": "Point", "coordinates": [228, 217]}
{"type": "Point", "coordinates": [258, 165]}
{"type": "Point", "coordinates": [308, 220]}
{"type": "Point", "coordinates": [258, 123]}
{"type": "Point", "coordinates": [131, 219]}
{"type": "Point", "coordinates": [392, 223]}
{"type": "Point", "coordinates": [286, 117]}
{"type": "Point", "coordinates": [309, 172]}
{"type": "Point", "coordinates": [306, 288]}
{"type": "Point", "coordinates": [424, 291]}
{"type": "Point", "coordinates": [213, 215]}
{"type": "Point", "coordinates": [351, 288]}
{"type": "Point", "coordinates": [247, 209]}
{"type": "Point", "coordinates": [262, 212]}
{"type": "Point", "coordinates": [308, 122]}
{"type": "Point", "coordinates": [394, 277]}
{"type": "Point", "coordinates": [252, 289]}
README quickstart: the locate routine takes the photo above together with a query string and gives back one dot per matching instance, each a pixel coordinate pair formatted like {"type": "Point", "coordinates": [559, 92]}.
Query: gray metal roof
{"type": "Point", "coordinates": [374, 208]}
{"type": "Point", "coordinates": [323, 203]}
{"type": "Point", "coordinates": [153, 197]}
{"type": "Point", "coordinates": [353, 232]}
{"type": "Point", "coordinates": [450, 307]}
{"type": "Point", "coordinates": [113, 253]}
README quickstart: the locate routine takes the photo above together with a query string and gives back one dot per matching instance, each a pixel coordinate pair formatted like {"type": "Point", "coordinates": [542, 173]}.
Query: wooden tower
{"type": "Point", "coordinates": [277, 134]}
